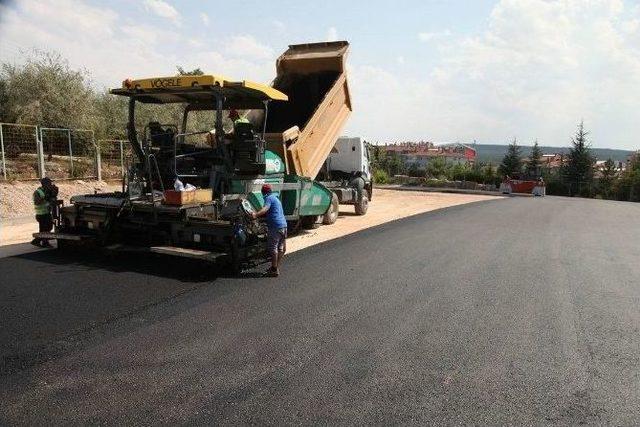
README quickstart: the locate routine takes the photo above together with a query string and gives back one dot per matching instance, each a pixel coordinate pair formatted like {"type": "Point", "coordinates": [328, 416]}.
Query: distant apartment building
{"type": "Point", "coordinates": [421, 153]}
{"type": "Point", "coordinates": [552, 161]}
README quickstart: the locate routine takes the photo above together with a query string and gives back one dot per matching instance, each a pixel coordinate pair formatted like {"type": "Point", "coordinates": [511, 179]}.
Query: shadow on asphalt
{"type": "Point", "coordinates": [184, 270]}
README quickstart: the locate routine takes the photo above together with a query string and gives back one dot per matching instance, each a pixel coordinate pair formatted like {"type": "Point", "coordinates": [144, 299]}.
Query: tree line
{"type": "Point", "coordinates": [577, 175]}
{"type": "Point", "coordinates": [387, 164]}
{"type": "Point", "coordinates": [46, 91]}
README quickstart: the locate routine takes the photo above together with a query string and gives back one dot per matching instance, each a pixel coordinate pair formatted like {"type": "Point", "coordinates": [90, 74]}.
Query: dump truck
{"type": "Point", "coordinates": [290, 130]}
{"type": "Point", "coordinates": [304, 130]}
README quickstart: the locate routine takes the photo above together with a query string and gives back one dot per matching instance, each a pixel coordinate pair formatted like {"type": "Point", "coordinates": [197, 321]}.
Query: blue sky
{"type": "Point", "coordinates": [434, 70]}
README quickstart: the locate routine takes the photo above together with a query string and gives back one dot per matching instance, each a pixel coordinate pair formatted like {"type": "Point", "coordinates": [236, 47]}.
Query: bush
{"type": "Point", "coordinates": [556, 187]}
{"type": "Point", "coordinates": [380, 176]}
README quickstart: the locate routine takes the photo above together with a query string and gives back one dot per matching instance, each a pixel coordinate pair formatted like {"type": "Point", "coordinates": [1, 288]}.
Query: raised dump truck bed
{"type": "Point", "coordinates": [314, 78]}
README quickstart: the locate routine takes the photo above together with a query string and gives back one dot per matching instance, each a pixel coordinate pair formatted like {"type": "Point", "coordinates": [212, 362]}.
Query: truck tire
{"type": "Point", "coordinates": [362, 205]}
{"type": "Point", "coordinates": [309, 222]}
{"type": "Point", "coordinates": [331, 216]}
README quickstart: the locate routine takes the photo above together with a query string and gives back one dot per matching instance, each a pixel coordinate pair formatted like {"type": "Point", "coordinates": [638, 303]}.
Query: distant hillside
{"type": "Point", "coordinates": [493, 152]}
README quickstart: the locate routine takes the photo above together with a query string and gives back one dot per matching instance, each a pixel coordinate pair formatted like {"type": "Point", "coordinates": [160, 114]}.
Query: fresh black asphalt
{"type": "Point", "coordinates": [518, 311]}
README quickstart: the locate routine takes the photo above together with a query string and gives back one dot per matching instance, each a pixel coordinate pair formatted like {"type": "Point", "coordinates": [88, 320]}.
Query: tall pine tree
{"type": "Point", "coordinates": [579, 167]}
{"type": "Point", "coordinates": [512, 161]}
{"type": "Point", "coordinates": [534, 162]}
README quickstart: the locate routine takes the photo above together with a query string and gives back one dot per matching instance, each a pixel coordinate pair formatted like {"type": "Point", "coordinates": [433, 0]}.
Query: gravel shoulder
{"type": "Point", "coordinates": [387, 205]}
{"type": "Point", "coordinates": [16, 202]}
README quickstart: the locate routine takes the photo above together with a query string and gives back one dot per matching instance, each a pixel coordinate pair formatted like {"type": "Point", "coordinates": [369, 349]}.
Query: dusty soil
{"type": "Point", "coordinates": [16, 197]}
{"type": "Point", "coordinates": [387, 205]}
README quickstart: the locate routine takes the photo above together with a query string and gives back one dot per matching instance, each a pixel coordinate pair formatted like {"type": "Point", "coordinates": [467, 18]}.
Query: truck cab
{"type": "Point", "coordinates": [350, 154]}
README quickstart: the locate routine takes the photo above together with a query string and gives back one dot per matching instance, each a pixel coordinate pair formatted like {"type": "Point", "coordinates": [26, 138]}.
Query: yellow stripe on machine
{"type": "Point", "coordinates": [174, 82]}
{"type": "Point", "coordinates": [178, 83]}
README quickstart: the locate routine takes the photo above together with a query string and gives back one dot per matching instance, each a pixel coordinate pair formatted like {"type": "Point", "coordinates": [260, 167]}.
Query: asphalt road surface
{"type": "Point", "coordinates": [510, 311]}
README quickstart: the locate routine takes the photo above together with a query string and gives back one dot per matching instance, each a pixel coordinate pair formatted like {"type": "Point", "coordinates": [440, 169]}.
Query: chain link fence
{"type": "Point", "coordinates": [31, 152]}
{"type": "Point", "coordinates": [115, 155]}
{"type": "Point", "coordinates": [69, 153]}
{"type": "Point", "coordinates": [19, 146]}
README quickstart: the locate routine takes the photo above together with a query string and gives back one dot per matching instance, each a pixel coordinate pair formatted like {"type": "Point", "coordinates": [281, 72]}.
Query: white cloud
{"type": "Point", "coordinates": [332, 34]}
{"type": "Point", "coordinates": [429, 36]}
{"type": "Point", "coordinates": [247, 46]}
{"type": "Point", "coordinates": [163, 10]}
{"type": "Point", "coordinates": [112, 48]}
{"type": "Point", "coordinates": [205, 19]}
{"type": "Point", "coordinates": [537, 69]}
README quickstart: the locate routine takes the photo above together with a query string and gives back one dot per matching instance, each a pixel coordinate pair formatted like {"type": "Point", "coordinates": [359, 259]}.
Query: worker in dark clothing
{"type": "Point", "coordinates": [277, 229]}
{"type": "Point", "coordinates": [44, 199]}
{"type": "Point", "coordinates": [235, 117]}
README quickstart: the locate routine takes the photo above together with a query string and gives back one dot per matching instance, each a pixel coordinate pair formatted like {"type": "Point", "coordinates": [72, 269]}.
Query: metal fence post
{"type": "Point", "coordinates": [40, 152]}
{"type": "Point", "coordinates": [4, 164]}
{"type": "Point", "coordinates": [98, 157]}
{"type": "Point", "coordinates": [70, 152]}
{"type": "Point", "coordinates": [121, 160]}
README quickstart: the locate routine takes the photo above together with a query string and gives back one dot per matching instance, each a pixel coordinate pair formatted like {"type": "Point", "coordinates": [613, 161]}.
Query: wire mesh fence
{"type": "Point", "coordinates": [84, 154]}
{"type": "Point", "coordinates": [19, 151]}
{"type": "Point", "coordinates": [31, 152]}
{"type": "Point", "coordinates": [68, 153]}
{"type": "Point", "coordinates": [115, 155]}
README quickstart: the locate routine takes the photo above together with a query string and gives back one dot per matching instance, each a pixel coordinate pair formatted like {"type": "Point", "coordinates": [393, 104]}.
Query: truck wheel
{"type": "Point", "coordinates": [362, 206]}
{"type": "Point", "coordinates": [331, 216]}
{"type": "Point", "coordinates": [309, 222]}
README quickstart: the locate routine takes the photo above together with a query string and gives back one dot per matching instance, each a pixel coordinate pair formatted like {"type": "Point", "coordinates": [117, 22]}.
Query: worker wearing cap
{"type": "Point", "coordinates": [277, 228]}
{"type": "Point", "coordinates": [43, 198]}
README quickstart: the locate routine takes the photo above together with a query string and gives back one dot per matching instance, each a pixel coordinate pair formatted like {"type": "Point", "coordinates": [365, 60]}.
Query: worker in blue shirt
{"type": "Point", "coordinates": [276, 226]}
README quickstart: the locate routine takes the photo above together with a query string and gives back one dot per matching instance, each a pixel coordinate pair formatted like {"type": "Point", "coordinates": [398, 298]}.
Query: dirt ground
{"type": "Point", "coordinates": [16, 197]}
{"type": "Point", "coordinates": [387, 205]}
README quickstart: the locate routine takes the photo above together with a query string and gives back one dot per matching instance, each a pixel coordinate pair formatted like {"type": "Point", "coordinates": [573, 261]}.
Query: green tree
{"type": "Point", "coordinates": [394, 165]}
{"type": "Point", "coordinates": [608, 175]}
{"type": "Point", "coordinates": [46, 91]}
{"type": "Point", "coordinates": [489, 174]}
{"type": "Point", "coordinates": [628, 186]}
{"type": "Point", "coordinates": [459, 172]}
{"type": "Point", "coordinates": [110, 116]}
{"type": "Point", "coordinates": [437, 168]}
{"type": "Point", "coordinates": [512, 160]}
{"type": "Point", "coordinates": [534, 162]}
{"type": "Point", "coordinates": [194, 72]}
{"type": "Point", "coordinates": [414, 169]}
{"type": "Point", "coordinates": [579, 166]}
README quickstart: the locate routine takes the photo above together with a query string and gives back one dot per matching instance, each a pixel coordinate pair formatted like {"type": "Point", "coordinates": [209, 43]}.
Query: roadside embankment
{"type": "Point", "coordinates": [16, 197]}
{"type": "Point", "coordinates": [387, 205]}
